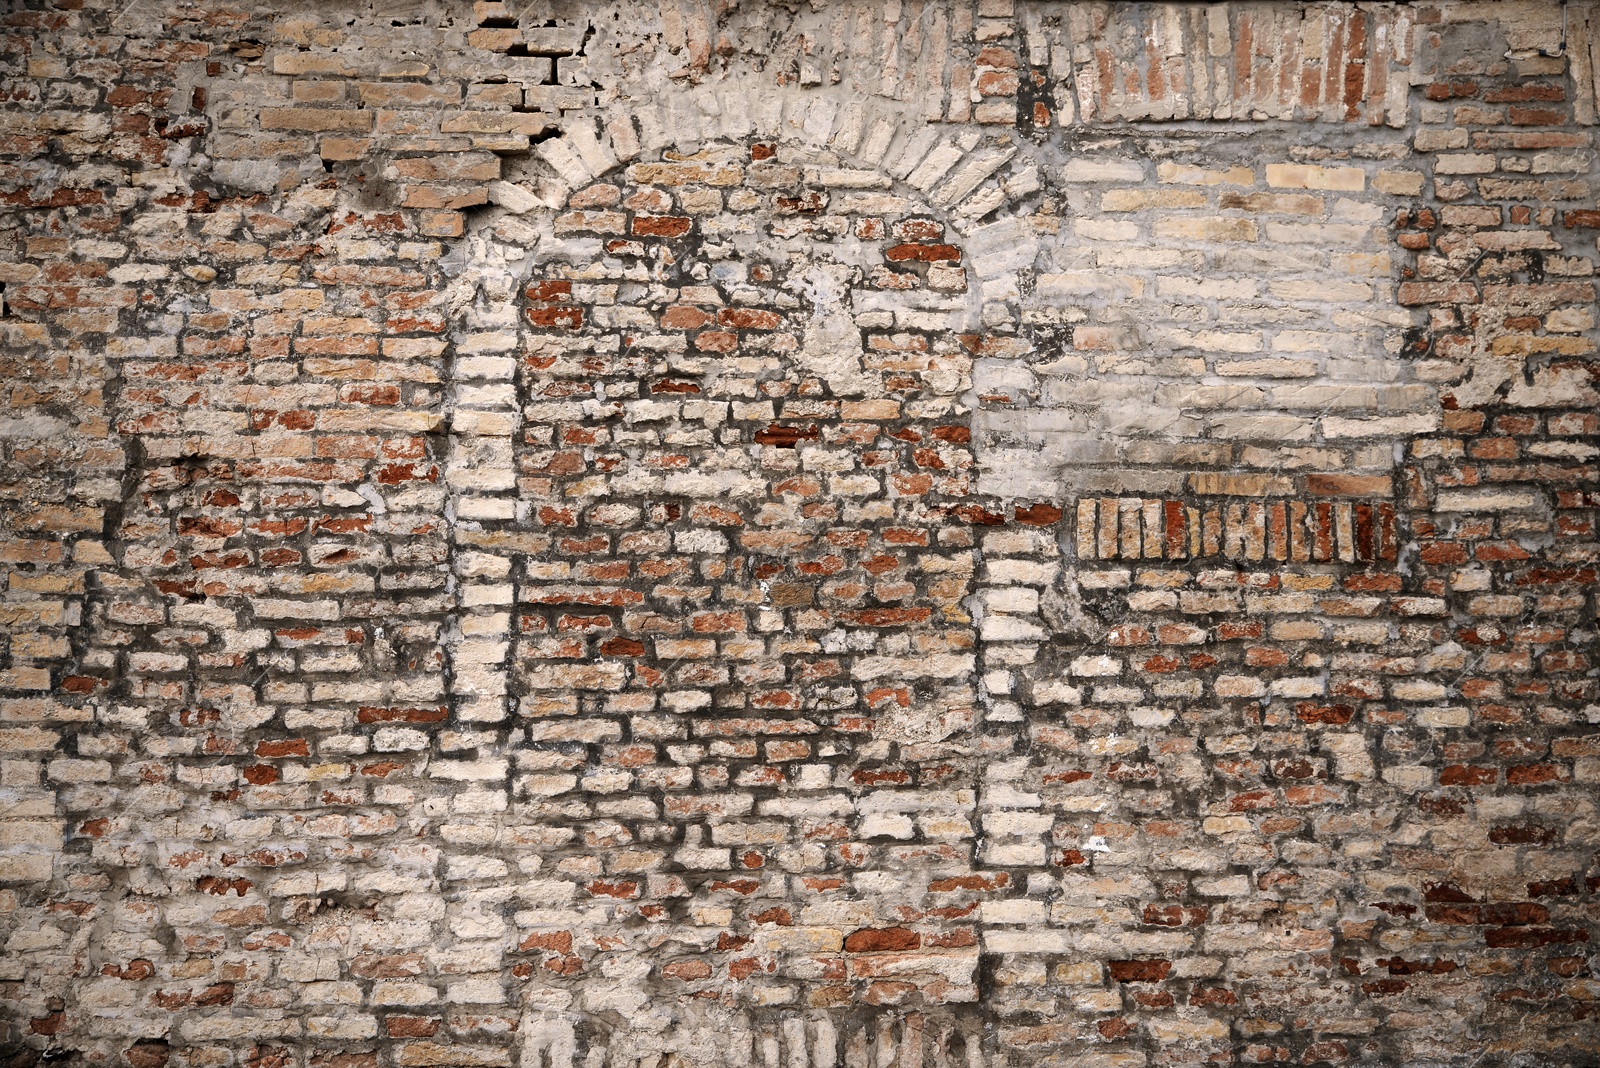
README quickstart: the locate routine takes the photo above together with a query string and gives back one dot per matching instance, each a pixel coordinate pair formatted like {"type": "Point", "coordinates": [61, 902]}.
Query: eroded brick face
{"type": "Point", "coordinates": [990, 534]}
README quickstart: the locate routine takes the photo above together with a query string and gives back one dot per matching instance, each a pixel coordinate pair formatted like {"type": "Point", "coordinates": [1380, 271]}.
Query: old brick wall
{"type": "Point", "coordinates": [927, 532]}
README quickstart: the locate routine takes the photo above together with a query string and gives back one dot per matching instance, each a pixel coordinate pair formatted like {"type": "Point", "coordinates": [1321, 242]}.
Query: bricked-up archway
{"type": "Point", "coordinates": [734, 561]}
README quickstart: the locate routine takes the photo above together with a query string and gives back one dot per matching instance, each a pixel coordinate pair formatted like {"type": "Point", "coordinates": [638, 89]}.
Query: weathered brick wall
{"type": "Point", "coordinates": [988, 533]}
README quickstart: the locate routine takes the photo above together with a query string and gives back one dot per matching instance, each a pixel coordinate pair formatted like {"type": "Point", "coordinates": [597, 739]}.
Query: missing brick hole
{"type": "Point", "coordinates": [469, 212]}
{"type": "Point", "coordinates": [303, 910]}
{"type": "Point", "coordinates": [522, 48]}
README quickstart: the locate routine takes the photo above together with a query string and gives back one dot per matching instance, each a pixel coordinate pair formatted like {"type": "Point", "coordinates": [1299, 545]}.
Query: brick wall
{"type": "Point", "coordinates": [981, 533]}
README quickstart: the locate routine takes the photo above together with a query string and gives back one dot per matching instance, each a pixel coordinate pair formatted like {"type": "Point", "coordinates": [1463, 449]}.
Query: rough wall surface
{"type": "Point", "coordinates": [908, 533]}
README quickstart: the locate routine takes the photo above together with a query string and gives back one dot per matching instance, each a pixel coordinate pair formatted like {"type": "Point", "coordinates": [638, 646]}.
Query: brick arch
{"type": "Point", "coordinates": [947, 164]}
